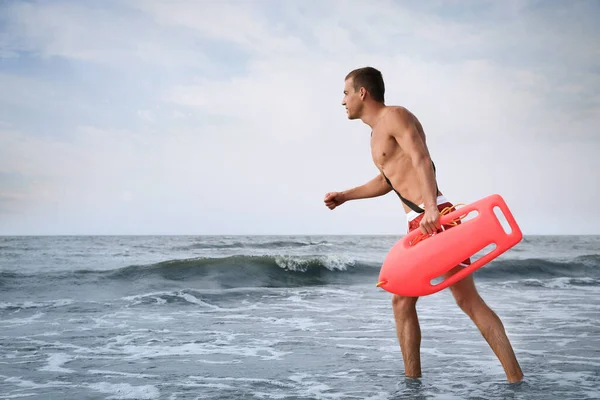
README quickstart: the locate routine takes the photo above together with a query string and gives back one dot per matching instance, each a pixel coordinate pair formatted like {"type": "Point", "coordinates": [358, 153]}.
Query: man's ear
{"type": "Point", "coordinates": [363, 93]}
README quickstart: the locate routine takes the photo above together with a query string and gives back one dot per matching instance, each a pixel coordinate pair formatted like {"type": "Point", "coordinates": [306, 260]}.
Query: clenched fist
{"type": "Point", "coordinates": [334, 199]}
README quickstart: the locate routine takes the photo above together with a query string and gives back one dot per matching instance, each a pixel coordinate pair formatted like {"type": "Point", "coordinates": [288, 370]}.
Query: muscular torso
{"type": "Point", "coordinates": [393, 162]}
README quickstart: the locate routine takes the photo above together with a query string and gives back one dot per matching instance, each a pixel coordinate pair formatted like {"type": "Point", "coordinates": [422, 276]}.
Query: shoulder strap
{"type": "Point", "coordinates": [409, 203]}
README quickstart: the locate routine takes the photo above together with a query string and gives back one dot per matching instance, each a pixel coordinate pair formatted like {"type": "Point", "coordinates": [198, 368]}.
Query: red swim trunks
{"type": "Point", "coordinates": [414, 224]}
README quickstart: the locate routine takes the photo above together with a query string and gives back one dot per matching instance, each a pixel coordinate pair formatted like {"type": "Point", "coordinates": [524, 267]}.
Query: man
{"type": "Point", "coordinates": [399, 150]}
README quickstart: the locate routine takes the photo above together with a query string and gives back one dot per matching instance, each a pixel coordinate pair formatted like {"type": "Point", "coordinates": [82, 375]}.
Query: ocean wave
{"type": "Point", "coordinates": [251, 271]}
{"type": "Point", "coordinates": [275, 244]}
{"type": "Point", "coordinates": [245, 271]}
{"type": "Point", "coordinates": [214, 272]}
{"type": "Point", "coordinates": [584, 266]}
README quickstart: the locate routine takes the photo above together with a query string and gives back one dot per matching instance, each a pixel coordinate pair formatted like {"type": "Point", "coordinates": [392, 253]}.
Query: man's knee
{"type": "Point", "coordinates": [468, 303]}
{"type": "Point", "coordinates": [465, 295]}
{"type": "Point", "coordinates": [467, 298]}
{"type": "Point", "coordinates": [403, 304]}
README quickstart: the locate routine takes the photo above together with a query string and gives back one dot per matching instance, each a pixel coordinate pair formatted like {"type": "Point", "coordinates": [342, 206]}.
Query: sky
{"type": "Point", "coordinates": [215, 117]}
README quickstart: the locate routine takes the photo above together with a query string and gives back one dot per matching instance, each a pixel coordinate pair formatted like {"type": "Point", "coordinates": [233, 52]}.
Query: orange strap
{"type": "Point", "coordinates": [445, 211]}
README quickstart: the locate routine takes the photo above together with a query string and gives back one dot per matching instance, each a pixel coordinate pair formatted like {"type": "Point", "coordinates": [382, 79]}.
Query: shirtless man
{"type": "Point", "coordinates": [399, 151]}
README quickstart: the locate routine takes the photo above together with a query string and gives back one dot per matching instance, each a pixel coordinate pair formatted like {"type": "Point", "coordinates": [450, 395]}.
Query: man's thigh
{"type": "Point", "coordinates": [463, 289]}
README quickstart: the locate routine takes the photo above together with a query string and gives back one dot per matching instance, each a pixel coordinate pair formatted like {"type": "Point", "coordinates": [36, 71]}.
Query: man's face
{"type": "Point", "coordinates": [352, 99]}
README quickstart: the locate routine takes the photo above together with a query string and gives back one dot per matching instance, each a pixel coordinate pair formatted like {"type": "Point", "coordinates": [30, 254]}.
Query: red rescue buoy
{"type": "Point", "coordinates": [417, 259]}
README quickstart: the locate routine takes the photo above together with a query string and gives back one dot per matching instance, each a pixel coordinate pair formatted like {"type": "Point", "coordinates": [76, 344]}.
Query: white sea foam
{"type": "Point", "coordinates": [332, 262]}
{"type": "Point", "coordinates": [33, 304]}
{"type": "Point", "coordinates": [22, 321]}
{"type": "Point", "coordinates": [55, 362]}
{"type": "Point", "coordinates": [29, 384]}
{"type": "Point", "coordinates": [126, 391]}
{"type": "Point", "coordinates": [248, 350]}
{"type": "Point", "coordinates": [119, 373]}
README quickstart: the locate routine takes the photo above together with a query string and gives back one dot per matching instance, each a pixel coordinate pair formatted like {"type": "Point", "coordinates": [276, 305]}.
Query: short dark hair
{"type": "Point", "coordinates": [371, 79]}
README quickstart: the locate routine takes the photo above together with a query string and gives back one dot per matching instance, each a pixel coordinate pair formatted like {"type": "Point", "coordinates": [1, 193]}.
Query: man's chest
{"type": "Point", "coordinates": [383, 148]}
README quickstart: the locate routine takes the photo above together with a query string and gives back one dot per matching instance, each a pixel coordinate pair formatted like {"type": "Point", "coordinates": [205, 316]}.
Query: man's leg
{"type": "Point", "coordinates": [488, 323]}
{"type": "Point", "coordinates": [409, 333]}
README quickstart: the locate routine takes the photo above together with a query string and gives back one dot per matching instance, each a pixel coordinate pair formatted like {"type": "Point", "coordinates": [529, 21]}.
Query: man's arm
{"type": "Point", "coordinates": [410, 141]}
{"type": "Point", "coordinates": [374, 188]}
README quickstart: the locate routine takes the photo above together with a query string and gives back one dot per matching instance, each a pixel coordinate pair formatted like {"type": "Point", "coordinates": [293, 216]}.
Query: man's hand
{"type": "Point", "coordinates": [334, 199]}
{"type": "Point", "coordinates": [430, 221]}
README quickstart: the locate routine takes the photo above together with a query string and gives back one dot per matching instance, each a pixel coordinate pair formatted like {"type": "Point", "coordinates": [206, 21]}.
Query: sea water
{"type": "Point", "coordinates": [282, 317]}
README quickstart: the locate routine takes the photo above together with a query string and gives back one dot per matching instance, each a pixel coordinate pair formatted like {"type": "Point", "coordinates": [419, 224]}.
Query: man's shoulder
{"type": "Point", "coordinates": [399, 115]}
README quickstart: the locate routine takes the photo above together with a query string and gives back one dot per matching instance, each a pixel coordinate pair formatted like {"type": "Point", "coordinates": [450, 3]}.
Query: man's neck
{"type": "Point", "coordinates": [373, 113]}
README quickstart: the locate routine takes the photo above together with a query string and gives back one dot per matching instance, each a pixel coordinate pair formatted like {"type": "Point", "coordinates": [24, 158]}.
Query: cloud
{"type": "Point", "coordinates": [108, 34]}
{"type": "Point", "coordinates": [225, 117]}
